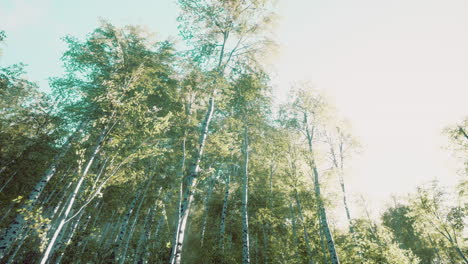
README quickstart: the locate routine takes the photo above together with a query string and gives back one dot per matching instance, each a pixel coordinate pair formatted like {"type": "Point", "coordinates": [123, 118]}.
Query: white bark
{"type": "Point", "coordinates": [191, 182]}
{"type": "Point", "coordinates": [63, 219]}
{"type": "Point", "coordinates": [158, 228]}
{"type": "Point", "coordinates": [113, 234]}
{"type": "Point", "coordinates": [322, 212]}
{"type": "Point", "coordinates": [7, 240]}
{"type": "Point", "coordinates": [322, 241]}
{"type": "Point", "coordinates": [8, 181]}
{"type": "Point", "coordinates": [103, 235]}
{"type": "Point", "coordinates": [339, 167]}
{"type": "Point", "coordinates": [123, 227]}
{"type": "Point", "coordinates": [7, 213]}
{"type": "Point", "coordinates": [139, 255]}
{"type": "Point", "coordinates": [294, 226]}
{"type": "Point", "coordinates": [86, 239]}
{"type": "Point", "coordinates": [18, 247]}
{"type": "Point", "coordinates": [245, 196]}
{"type": "Point", "coordinates": [224, 212]}
{"type": "Point", "coordinates": [205, 210]}
{"type": "Point", "coordinates": [55, 218]}
{"type": "Point", "coordinates": [63, 243]}
{"type": "Point", "coordinates": [137, 214]}
{"type": "Point", "coordinates": [306, 234]}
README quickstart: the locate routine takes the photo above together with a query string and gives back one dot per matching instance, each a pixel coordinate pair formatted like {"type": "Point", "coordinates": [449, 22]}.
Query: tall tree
{"type": "Point", "coordinates": [220, 33]}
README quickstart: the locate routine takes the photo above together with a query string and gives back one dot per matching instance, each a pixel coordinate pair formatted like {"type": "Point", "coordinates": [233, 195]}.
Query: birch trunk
{"type": "Point", "coordinates": [139, 255]}
{"type": "Point", "coordinates": [162, 220]}
{"type": "Point", "coordinates": [81, 244]}
{"type": "Point", "coordinates": [137, 214]}
{"type": "Point", "coordinates": [265, 244]}
{"type": "Point", "coordinates": [68, 238]}
{"type": "Point", "coordinates": [180, 177]}
{"type": "Point", "coordinates": [158, 228]}
{"type": "Point", "coordinates": [322, 241]}
{"type": "Point", "coordinates": [205, 210]}
{"type": "Point", "coordinates": [339, 167]}
{"type": "Point", "coordinates": [128, 239]}
{"type": "Point", "coordinates": [224, 212]}
{"type": "Point", "coordinates": [18, 247]}
{"type": "Point", "coordinates": [304, 227]}
{"type": "Point", "coordinates": [191, 182]}
{"type": "Point", "coordinates": [103, 235]}
{"type": "Point", "coordinates": [12, 231]}
{"type": "Point", "coordinates": [55, 218]}
{"type": "Point", "coordinates": [322, 212]}
{"type": "Point", "coordinates": [8, 181]}
{"type": "Point", "coordinates": [123, 227]}
{"type": "Point", "coordinates": [345, 202]}
{"type": "Point", "coordinates": [57, 211]}
{"type": "Point", "coordinates": [460, 253]}
{"type": "Point", "coordinates": [7, 213]}
{"type": "Point", "coordinates": [294, 225]}
{"type": "Point", "coordinates": [192, 178]}
{"type": "Point", "coordinates": [245, 194]}
{"type": "Point", "coordinates": [63, 220]}
{"type": "Point", "coordinates": [113, 234]}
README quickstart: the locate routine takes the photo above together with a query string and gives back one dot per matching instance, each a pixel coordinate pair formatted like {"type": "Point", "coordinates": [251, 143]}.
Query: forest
{"type": "Point", "coordinates": [147, 153]}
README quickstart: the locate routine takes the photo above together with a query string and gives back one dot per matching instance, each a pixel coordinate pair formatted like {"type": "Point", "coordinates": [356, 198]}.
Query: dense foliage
{"type": "Point", "coordinates": [145, 154]}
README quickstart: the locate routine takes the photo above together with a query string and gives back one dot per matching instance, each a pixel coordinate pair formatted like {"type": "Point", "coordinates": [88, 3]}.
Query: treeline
{"type": "Point", "coordinates": [146, 154]}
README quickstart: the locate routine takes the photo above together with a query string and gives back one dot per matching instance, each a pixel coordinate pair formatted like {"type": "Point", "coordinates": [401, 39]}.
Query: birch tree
{"type": "Point", "coordinates": [220, 32]}
{"type": "Point", "coordinates": [308, 110]}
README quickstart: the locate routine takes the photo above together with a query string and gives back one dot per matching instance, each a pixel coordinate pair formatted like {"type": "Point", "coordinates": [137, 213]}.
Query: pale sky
{"type": "Point", "coordinates": [398, 70]}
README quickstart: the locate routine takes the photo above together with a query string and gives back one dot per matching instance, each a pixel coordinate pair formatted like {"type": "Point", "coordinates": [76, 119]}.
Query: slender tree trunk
{"type": "Point", "coordinates": [124, 226]}
{"type": "Point", "coordinates": [433, 244]}
{"type": "Point", "coordinates": [145, 233]}
{"type": "Point", "coordinates": [158, 228]}
{"type": "Point", "coordinates": [180, 178]}
{"type": "Point", "coordinates": [306, 233]}
{"type": "Point", "coordinates": [224, 212]}
{"type": "Point", "coordinates": [294, 226]}
{"type": "Point", "coordinates": [322, 241]}
{"type": "Point", "coordinates": [324, 221]}
{"type": "Point", "coordinates": [55, 218]}
{"type": "Point", "coordinates": [345, 203]}
{"type": "Point", "coordinates": [103, 235]}
{"type": "Point", "coordinates": [64, 197]}
{"type": "Point", "coordinates": [267, 228]}
{"type": "Point", "coordinates": [8, 181]}
{"type": "Point", "coordinates": [84, 240]}
{"type": "Point", "coordinates": [63, 220]}
{"type": "Point", "coordinates": [68, 238]}
{"type": "Point", "coordinates": [137, 214]}
{"type": "Point", "coordinates": [339, 167]}
{"type": "Point", "coordinates": [245, 196]}
{"type": "Point", "coordinates": [113, 234]}
{"type": "Point", "coordinates": [265, 245]}
{"type": "Point", "coordinates": [128, 239]}
{"type": "Point", "coordinates": [205, 210]}
{"type": "Point", "coordinates": [18, 247]}
{"type": "Point", "coordinates": [12, 231]}
{"type": "Point", "coordinates": [254, 246]}
{"type": "Point", "coordinates": [191, 182]}
{"type": "Point", "coordinates": [453, 242]}
{"type": "Point", "coordinates": [461, 254]}
{"type": "Point", "coordinates": [322, 212]}
{"type": "Point", "coordinates": [7, 213]}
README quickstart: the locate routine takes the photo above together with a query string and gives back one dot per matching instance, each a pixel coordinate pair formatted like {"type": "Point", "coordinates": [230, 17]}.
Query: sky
{"type": "Point", "coordinates": [397, 70]}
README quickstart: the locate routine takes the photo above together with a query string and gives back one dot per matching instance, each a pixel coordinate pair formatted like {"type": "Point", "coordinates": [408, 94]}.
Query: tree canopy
{"type": "Point", "coordinates": [146, 154]}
